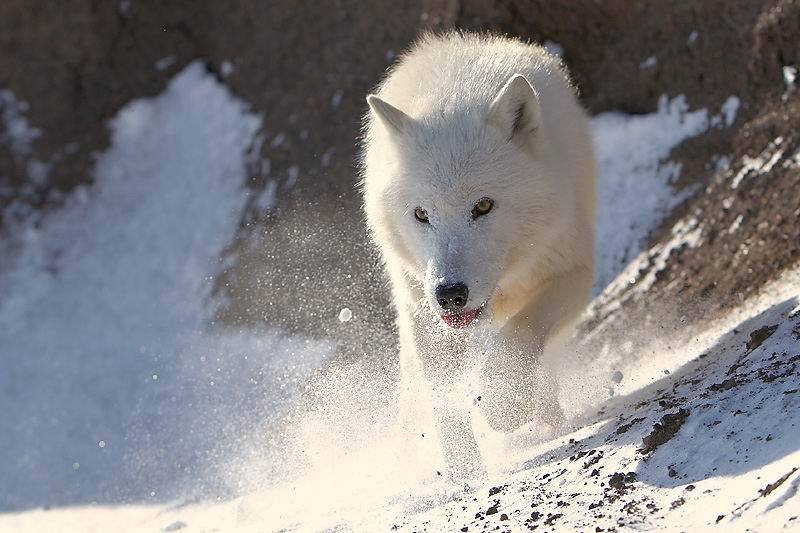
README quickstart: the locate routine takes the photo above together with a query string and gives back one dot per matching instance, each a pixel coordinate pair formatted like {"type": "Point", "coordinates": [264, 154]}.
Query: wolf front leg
{"type": "Point", "coordinates": [441, 353]}
{"type": "Point", "coordinates": [517, 386]}
{"type": "Point", "coordinates": [427, 395]}
{"type": "Point", "coordinates": [457, 440]}
{"type": "Point", "coordinates": [429, 368]}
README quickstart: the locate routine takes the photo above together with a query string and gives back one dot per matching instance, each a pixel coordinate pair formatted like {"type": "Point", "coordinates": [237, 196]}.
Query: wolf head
{"type": "Point", "coordinates": [463, 198]}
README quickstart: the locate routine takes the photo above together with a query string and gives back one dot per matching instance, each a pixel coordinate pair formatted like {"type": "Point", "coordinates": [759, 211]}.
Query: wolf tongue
{"type": "Point", "coordinates": [460, 320]}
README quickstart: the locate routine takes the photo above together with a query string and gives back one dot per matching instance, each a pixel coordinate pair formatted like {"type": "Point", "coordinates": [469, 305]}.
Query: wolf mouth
{"type": "Point", "coordinates": [461, 320]}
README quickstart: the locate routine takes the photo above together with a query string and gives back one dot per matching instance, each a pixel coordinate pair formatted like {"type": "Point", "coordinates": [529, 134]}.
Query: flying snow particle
{"type": "Point", "coordinates": [292, 173]}
{"type": "Point", "coordinates": [336, 99]}
{"type": "Point", "coordinates": [226, 69]}
{"type": "Point", "coordinates": [650, 62]}
{"type": "Point", "coordinates": [345, 315]}
{"type": "Point", "coordinates": [729, 109]}
{"type": "Point", "coordinates": [266, 199]}
{"type": "Point", "coordinates": [101, 444]}
{"type": "Point", "coordinates": [789, 75]}
{"type": "Point", "coordinates": [325, 159]}
{"type": "Point", "coordinates": [164, 63]}
{"type": "Point", "coordinates": [277, 141]}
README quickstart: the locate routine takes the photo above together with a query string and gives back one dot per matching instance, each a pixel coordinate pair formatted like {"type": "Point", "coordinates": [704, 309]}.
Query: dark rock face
{"type": "Point", "coordinates": [307, 69]}
{"type": "Point", "coordinates": [78, 62]}
{"type": "Point", "coordinates": [700, 50]}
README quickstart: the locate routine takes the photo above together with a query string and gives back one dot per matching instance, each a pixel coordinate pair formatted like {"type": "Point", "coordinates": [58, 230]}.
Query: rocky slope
{"type": "Point", "coordinates": [711, 298]}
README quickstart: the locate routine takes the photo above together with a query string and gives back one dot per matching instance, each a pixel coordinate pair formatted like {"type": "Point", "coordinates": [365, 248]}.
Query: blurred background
{"type": "Point", "coordinates": [179, 210]}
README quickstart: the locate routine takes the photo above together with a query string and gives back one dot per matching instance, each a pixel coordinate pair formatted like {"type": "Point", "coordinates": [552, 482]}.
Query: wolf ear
{"type": "Point", "coordinates": [392, 118]}
{"type": "Point", "coordinates": [515, 109]}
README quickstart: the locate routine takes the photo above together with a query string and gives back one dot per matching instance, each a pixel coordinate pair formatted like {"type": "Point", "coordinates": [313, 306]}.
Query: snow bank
{"type": "Point", "coordinates": [104, 315]}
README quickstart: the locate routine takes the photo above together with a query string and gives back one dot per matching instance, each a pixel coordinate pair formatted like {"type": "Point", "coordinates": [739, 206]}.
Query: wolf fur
{"type": "Point", "coordinates": [458, 118]}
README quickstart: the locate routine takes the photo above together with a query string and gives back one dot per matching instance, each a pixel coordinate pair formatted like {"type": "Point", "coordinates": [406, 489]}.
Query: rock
{"type": "Point", "coordinates": [619, 480]}
{"type": "Point", "coordinates": [758, 336]}
{"type": "Point", "coordinates": [664, 430]}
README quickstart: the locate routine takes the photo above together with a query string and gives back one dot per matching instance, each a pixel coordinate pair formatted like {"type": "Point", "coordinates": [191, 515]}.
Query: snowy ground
{"type": "Point", "coordinates": [125, 408]}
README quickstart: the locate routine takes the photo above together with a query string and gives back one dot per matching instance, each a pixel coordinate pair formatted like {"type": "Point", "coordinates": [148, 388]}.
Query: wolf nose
{"type": "Point", "coordinates": [452, 296]}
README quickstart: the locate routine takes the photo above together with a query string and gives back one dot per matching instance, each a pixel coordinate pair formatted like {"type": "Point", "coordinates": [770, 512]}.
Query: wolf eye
{"type": "Point", "coordinates": [482, 207]}
{"type": "Point", "coordinates": [421, 215]}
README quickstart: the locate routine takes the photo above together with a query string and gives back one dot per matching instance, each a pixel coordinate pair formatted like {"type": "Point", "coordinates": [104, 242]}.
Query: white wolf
{"type": "Point", "coordinates": [479, 189]}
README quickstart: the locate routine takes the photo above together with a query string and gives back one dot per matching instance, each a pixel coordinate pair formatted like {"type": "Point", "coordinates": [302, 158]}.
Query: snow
{"type": "Point", "coordinates": [650, 62]}
{"type": "Point", "coordinates": [19, 135]}
{"type": "Point", "coordinates": [266, 200]}
{"type": "Point", "coordinates": [227, 68]}
{"type": "Point", "coordinates": [278, 140]}
{"type": "Point", "coordinates": [740, 437]}
{"type": "Point", "coordinates": [729, 109]}
{"type": "Point", "coordinates": [116, 287]}
{"type": "Point", "coordinates": [789, 76]}
{"type": "Point", "coordinates": [164, 63]}
{"type": "Point", "coordinates": [126, 407]}
{"type": "Point", "coordinates": [634, 191]}
{"type": "Point", "coordinates": [325, 158]}
{"type": "Point", "coordinates": [292, 173]}
{"type": "Point", "coordinates": [17, 131]}
{"type": "Point", "coordinates": [345, 315]}
{"type": "Point", "coordinates": [336, 99]}
{"type": "Point", "coordinates": [554, 48]}
{"type": "Point", "coordinates": [124, 7]}
{"type": "Point", "coordinates": [759, 165]}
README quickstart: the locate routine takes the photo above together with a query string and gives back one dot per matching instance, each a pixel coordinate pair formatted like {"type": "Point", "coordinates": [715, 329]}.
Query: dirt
{"type": "Point", "coordinates": [663, 431]}
{"type": "Point", "coordinates": [772, 486]}
{"type": "Point", "coordinates": [307, 67]}
{"type": "Point", "coordinates": [620, 481]}
{"type": "Point", "coordinates": [497, 490]}
{"type": "Point", "coordinates": [725, 385]}
{"type": "Point", "coordinates": [625, 427]}
{"type": "Point", "coordinates": [758, 336]}
{"type": "Point", "coordinates": [551, 519]}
